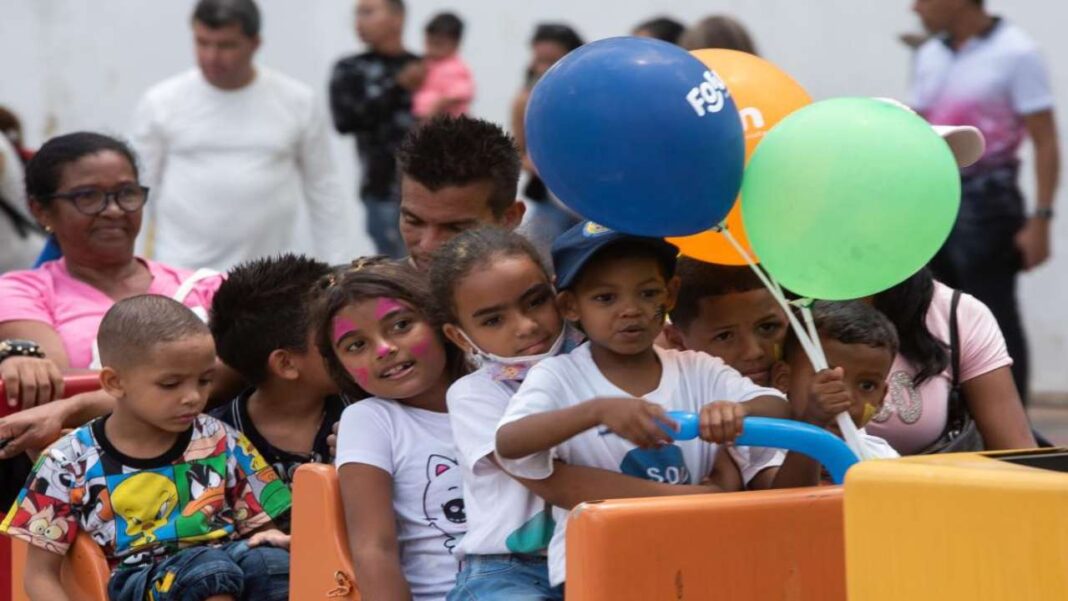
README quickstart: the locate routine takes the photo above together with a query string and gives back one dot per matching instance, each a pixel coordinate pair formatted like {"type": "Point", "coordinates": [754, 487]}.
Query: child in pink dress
{"type": "Point", "coordinates": [449, 86]}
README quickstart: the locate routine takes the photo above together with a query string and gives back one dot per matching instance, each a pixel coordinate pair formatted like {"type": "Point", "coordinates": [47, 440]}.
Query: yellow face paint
{"type": "Point", "coordinates": [869, 412]}
{"type": "Point", "coordinates": [777, 351]}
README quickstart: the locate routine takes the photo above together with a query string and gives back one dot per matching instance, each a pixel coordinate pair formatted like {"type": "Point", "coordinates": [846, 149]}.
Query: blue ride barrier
{"type": "Point", "coordinates": [814, 442]}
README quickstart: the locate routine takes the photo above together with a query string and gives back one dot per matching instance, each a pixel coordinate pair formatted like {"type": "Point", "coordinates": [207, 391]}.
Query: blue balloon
{"type": "Point", "coordinates": [817, 443]}
{"type": "Point", "coordinates": [639, 136]}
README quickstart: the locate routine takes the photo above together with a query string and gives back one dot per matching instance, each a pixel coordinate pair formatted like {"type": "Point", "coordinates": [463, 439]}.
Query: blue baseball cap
{"type": "Point", "coordinates": [580, 244]}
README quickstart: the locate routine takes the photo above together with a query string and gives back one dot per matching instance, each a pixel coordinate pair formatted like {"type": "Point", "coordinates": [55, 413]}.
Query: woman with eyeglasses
{"type": "Point", "coordinates": [82, 188]}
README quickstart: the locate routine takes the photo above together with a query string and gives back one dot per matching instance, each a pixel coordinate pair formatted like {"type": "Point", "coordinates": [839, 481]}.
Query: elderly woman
{"type": "Point", "coordinates": [83, 188]}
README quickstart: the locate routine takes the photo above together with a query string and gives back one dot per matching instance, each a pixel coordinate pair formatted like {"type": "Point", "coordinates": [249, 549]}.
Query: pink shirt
{"type": "Point", "coordinates": [445, 78]}
{"type": "Point", "coordinates": [912, 417]}
{"type": "Point", "coordinates": [49, 294]}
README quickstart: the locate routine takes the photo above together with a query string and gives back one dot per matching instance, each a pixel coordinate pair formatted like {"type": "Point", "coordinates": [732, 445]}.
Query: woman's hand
{"type": "Point", "coordinates": [35, 381]}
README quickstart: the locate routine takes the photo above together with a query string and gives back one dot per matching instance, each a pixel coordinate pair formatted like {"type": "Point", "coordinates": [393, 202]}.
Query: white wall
{"type": "Point", "coordinates": [73, 64]}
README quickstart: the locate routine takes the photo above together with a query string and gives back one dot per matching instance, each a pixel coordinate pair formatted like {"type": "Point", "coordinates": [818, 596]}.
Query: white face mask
{"type": "Point", "coordinates": [483, 356]}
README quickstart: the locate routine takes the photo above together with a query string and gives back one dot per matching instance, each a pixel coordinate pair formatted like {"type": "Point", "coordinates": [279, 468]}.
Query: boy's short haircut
{"type": "Point", "coordinates": [446, 25]}
{"type": "Point", "coordinates": [458, 151]}
{"type": "Point", "coordinates": [700, 280]}
{"type": "Point", "coordinates": [262, 307]}
{"type": "Point", "coordinates": [134, 326]}
{"type": "Point", "coordinates": [216, 14]}
{"type": "Point", "coordinates": [850, 322]}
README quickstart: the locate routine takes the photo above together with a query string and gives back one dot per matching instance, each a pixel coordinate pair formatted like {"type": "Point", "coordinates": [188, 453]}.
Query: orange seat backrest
{"type": "Point", "coordinates": [320, 563]}
{"type": "Point", "coordinates": [750, 546]}
{"type": "Point", "coordinates": [84, 574]}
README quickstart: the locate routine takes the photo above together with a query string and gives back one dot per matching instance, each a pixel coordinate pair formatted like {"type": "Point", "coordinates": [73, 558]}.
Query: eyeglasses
{"type": "Point", "coordinates": [93, 201]}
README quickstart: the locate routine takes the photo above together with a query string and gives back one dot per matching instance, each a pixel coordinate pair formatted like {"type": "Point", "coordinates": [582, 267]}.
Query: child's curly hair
{"type": "Point", "coordinates": [368, 278]}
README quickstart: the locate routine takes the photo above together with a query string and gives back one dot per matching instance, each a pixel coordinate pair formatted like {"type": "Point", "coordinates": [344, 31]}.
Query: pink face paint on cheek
{"type": "Point", "coordinates": [385, 305]}
{"type": "Point", "coordinates": [420, 349]}
{"type": "Point", "coordinates": [342, 326]}
{"type": "Point", "coordinates": [361, 375]}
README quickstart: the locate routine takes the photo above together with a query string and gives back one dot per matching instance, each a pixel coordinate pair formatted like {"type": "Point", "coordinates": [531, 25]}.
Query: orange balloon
{"type": "Point", "coordinates": [764, 95]}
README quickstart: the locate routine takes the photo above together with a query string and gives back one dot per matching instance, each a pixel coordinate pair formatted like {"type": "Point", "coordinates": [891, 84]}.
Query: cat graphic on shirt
{"type": "Point", "coordinates": [443, 502]}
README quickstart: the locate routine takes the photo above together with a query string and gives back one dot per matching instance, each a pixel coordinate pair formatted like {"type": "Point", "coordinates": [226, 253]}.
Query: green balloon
{"type": "Point", "coordinates": [847, 197]}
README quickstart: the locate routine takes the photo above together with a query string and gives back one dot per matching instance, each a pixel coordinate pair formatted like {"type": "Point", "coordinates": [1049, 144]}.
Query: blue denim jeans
{"type": "Point", "coordinates": [382, 216]}
{"type": "Point", "coordinates": [504, 578]}
{"type": "Point", "coordinates": [196, 573]}
{"type": "Point", "coordinates": [980, 257]}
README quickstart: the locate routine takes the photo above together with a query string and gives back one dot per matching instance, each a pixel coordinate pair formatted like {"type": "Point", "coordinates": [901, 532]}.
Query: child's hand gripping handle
{"type": "Point", "coordinates": [817, 443]}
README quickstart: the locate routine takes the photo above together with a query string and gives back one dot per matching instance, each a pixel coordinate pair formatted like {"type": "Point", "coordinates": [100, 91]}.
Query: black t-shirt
{"type": "Point", "coordinates": [366, 100]}
{"type": "Point", "coordinates": [235, 413]}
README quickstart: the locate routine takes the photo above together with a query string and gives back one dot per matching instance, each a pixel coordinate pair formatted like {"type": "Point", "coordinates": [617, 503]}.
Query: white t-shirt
{"type": "Point", "coordinates": [230, 169]}
{"type": "Point", "coordinates": [875, 447]}
{"type": "Point", "coordinates": [689, 381]}
{"type": "Point", "coordinates": [415, 447]}
{"type": "Point", "coordinates": [502, 515]}
{"type": "Point", "coordinates": [990, 82]}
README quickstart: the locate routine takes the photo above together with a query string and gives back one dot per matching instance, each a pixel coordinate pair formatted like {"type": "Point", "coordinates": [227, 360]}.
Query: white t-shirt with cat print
{"type": "Point", "coordinates": [689, 381]}
{"type": "Point", "coordinates": [415, 447]}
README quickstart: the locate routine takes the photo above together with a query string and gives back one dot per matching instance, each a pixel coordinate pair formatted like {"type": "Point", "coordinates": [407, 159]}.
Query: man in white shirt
{"type": "Point", "coordinates": [984, 71]}
{"type": "Point", "coordinates": [232, 150]}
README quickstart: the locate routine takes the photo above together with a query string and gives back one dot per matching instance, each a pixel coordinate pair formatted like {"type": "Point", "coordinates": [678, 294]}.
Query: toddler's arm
{"type": "Point", "coordinates": [367, 496]}
{"type": "Point", "coordinates": [633, 419]}
{"type": "Point", "coordinates": [42, 575]}
{"type": "Point", "coordinates": [570, 485]}
{"type": "Point", "coordinates": [721, 421]}
{"type": "Point", "coordinates": [827, 397]}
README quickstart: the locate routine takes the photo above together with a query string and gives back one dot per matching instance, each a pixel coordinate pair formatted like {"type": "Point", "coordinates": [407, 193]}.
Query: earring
{"type": "Point", "coordinates": [48, 229]}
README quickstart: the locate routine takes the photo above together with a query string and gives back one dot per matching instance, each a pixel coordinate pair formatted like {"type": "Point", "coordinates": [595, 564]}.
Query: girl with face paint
{"type": "Point", "coordinates": [497, 302]}
{"type": "Point", "coordinates": [397, 465]}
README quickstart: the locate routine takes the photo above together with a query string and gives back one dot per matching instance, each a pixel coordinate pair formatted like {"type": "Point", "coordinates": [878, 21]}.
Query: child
{"type": "Point", "coordinates": [399, 477]}
{"type": "Point", "coordinates": [449, 86]}
{"type": "Point", "coordinates": [726, 311]}
{"type": "Point", "coordinates": [861, 344]}
{"type": "Point", "coordinates": [497, 302]}
{"type": "Point", "coordinates": [162, 488]}
{"type": "Point", "coordinates": [260, 322]}
{"type": "Point", "coordinates": [593, 406]}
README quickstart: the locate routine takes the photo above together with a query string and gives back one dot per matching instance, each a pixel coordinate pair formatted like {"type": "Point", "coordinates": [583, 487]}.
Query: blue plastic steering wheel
{"type": "Point", "coordinates": [817, 443]}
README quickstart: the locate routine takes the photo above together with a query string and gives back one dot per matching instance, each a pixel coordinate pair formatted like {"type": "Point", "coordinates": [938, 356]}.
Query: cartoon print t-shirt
{"type": "Point", "coordinates": [416, 448]}
{"type": "Point", "coordinates": [688, 381]}
{"type": "Point", "coordinates": [211, 485]}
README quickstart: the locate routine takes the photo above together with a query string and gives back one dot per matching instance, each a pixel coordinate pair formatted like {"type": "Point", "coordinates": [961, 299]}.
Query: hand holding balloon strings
{"type": "Point", "coordinates": [806, 336]}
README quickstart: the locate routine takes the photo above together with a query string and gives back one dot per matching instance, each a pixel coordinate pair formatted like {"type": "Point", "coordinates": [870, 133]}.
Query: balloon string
{"type": "Point", "coordinates": [807, 337]}
{"type": "Point", "coordinates": [810, 324]}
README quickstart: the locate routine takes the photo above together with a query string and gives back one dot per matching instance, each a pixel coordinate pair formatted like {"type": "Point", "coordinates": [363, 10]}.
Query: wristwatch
{"type": "Point", "coordinates": [20, 348]}
{"type": "Point", "coordinates": [1044, 213]}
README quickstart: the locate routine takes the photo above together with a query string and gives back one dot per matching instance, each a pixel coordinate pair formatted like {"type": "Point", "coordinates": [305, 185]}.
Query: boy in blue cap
{"type": "Point", "coordinates": [603, 404]}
